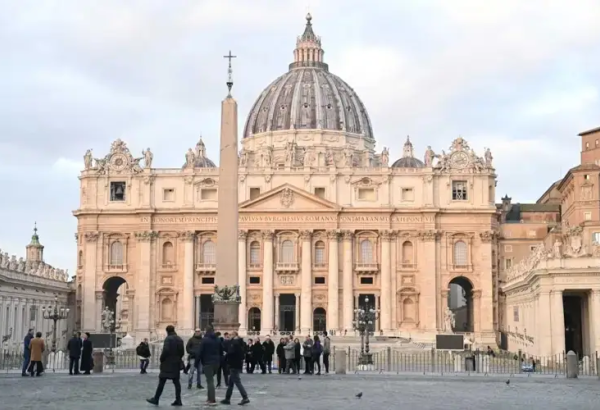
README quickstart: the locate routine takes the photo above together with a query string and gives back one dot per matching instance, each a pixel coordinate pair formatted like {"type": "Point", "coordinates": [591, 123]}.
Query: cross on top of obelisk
{"type": "Point", "coordinates": [229, 72]}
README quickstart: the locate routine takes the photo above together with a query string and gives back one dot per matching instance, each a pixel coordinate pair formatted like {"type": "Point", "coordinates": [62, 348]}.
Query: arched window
{"type": "Point", "coordinates": [168, 254]}
{"type": "Point", "coordinates": [407, 254]}
{"type": "Point", "coordinates": [366, 251]}
{"type": "Point", "coordinates": [461, 257]}
{"type": "Point", "coordinates": [287, 251]}
{"type": "Point", "coordinates": [116, 254]}
{"type": "Point", "coordinates": [255, 253]}
{"type": "Point", "coordinates": [80, 259]}
{"type": "Point", "coordinates": [209, 256]}
{"type": "Point", "coordinates": [320, 253]}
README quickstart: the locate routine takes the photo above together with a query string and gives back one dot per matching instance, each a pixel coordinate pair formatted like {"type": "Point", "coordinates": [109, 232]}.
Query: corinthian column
{"type": "Point", "coordinates": [306, 304]}
{"type": "Point", "coordinates": [348, 282]}
{"type": "Point", "coordinates": [242, 312]}
{"type": "Point", "coordinates": [89, 314]}
{"type": "Point", "coordinates": [267, 299]}
{"type": "Point", "coordinates": [187, 310]}
{"type": "Point", "coordinates": [333, 285]}
{"type": "Point", "coordinates": [386, 283]}
{"type": "Point", "coordinates": [142, 326]}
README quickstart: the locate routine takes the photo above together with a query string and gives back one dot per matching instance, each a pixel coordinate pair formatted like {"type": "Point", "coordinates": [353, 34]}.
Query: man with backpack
{"type": "Point", "coordinates": [143, 352]}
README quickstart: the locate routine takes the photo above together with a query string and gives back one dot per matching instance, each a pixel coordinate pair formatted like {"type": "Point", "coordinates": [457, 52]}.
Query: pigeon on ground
{"type": "Point", "coordinates": [359, 395]}
{"type": "Point", "coordinates": [508, 382]}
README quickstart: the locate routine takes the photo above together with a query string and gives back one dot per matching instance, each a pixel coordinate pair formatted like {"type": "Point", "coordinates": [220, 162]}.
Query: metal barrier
{"type": "Point", "coordinates": [388, 360]}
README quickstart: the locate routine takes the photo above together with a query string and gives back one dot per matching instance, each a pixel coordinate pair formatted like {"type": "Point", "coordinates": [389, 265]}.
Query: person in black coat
{"type": "Point", "coordinates": [258, 356]}
{"type": "Point", "coordinates": [143, 352]}
{"type": "Point", "coordinates": [249, 359]}
{"type": "Point", "coordinates": [87, 362]}
{"type": "Point", "coordinates": [74, 347]}
{"type": "Point", "coordinates": [210, 352]}
{"type": "Point", "coordinates": [235, 363]}
{"type": "Point", "coordinates": [269, 351]}
{"type": "Point", "coordinates": [223, 368]}
{"type": "Point", "coordinates": [281, 356]}
{"type": "Point", "coordinates": [171, 364]}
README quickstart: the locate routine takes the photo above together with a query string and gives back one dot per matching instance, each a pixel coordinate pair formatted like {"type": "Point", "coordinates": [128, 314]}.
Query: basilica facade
{"type": "Point", "coordinates": [327, 224]}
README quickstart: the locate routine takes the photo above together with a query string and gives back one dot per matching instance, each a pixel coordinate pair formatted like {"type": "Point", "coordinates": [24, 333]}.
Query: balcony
{"type": "Point", "coordinates": [319, 266]}
{"type": "Point", "coordinates": [286, 267]}
{"type": "Point", "coordinates": [255, 266]}
{"type": "Point", "coordinates": [366, 268]}
{"type": "Point", "coordinates": [206, 268]}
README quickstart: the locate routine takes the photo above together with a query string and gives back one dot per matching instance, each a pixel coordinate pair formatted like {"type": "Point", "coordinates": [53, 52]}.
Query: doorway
{"type": "Point", "coordinates": [573, 308]}
{"type": "Point", "coordinates": [207, 311]}
{"type": "Point", "coordinates": [460, 302]}
{"type": "Point", "coordinates": [287, 312]}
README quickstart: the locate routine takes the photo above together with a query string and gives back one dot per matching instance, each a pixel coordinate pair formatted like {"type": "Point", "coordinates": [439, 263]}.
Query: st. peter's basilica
{"type": "Point", "coordinates": [326, 222]}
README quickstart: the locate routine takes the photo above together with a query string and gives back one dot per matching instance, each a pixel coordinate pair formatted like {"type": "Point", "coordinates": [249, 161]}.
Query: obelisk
{"type": "Point", "coordinates": [227, 303]}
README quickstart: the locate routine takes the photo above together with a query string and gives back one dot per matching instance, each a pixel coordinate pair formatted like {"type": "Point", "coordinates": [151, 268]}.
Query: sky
{"type": "Point", "coordinates": [520, 77]}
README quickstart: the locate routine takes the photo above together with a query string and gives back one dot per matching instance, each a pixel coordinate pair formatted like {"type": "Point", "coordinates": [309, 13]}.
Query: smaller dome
{"type": "Point", "coordinates": [408, 159]}
{"type": "Point", "coordinates": [200, 158]}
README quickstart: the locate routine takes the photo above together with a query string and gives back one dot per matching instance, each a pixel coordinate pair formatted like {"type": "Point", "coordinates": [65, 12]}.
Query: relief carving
{"type": "Point", "coordinates": [242, 235]}
{"type": "Point", "coordinates": [187, 236]}
{"type": "Point", "coordinates": [146, 236]}
{"type": "Point", "coordinates": [486, 236]}
{"type": "Point", "coordinates": [574, 239]}
{"type": "Point", "coordinates": [91, 236]}
{"type": "Point", "coordinates": [267, 235]}
{"type": "Point", "coordinates": [286, 280]}
{"type": "Point", "coordinates": [385, 235]}
{"type": "Point", "coordinates": [333, 235]}
{"type": "Point", "coordinates": [287, 197]}
{"type": "Point", "coordinates": [305, 235]}
{"type": "Point", "coordinates": [347, 235]}
{"type": "Point", "coordinates": [430, 235]}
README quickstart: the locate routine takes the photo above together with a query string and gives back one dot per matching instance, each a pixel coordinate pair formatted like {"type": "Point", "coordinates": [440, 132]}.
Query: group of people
{"type": "Point", "coordinates": [78, 348]}
{"type": "Point", "coordinates": [209, 354]}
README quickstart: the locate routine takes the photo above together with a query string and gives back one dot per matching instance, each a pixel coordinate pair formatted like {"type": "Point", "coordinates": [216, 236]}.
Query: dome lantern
{"type": "Point", "coordinates": [408, 159]}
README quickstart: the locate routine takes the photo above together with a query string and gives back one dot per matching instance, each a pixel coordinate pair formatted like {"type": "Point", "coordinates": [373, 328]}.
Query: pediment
{"type": "Point", "coordinates": [288, 197]}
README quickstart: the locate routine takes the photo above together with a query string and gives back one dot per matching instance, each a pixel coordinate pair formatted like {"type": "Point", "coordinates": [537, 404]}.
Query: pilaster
{"type": "Point", "coordinates": [558, 321]}
{"type": "Point", "coordinates": [348, 282]}
{"type": "Point", "coordinates": [242, 264]}
{"type": "Point", "coordinates": [429, 306]}
{"type": "Point", "coordinates": [306, 304]}
{"type": "Point", "coordinates": [386, 283]}
{"type": "Point", "coordinates": [333, 285]}
{"type": "Point", "coordinates": [187, 310]}
{"type": "Point", "coordinates": [89, 312]}
{"type": "Point", "coordinates": [267, 299]}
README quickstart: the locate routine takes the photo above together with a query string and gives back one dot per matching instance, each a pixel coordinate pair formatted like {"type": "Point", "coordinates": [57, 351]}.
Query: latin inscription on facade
{"type": "Point", "coordinates": [290, 218]}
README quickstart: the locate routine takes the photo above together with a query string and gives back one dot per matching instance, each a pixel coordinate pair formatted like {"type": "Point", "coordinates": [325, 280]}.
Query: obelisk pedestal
{"type": "Point", "coordinates": [226, 298]}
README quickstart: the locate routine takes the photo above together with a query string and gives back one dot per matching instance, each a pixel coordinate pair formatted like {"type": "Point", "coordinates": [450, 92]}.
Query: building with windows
{"type": "Point", "coordinates": [27, 286]}
{"type": "Point", "coordinates": [325, 221]}
{"type": "Point", "coordinates": [549, 257]}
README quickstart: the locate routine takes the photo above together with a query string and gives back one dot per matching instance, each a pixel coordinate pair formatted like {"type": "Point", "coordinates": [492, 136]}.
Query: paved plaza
{"type": "Point", "coordinates": [128, 391]}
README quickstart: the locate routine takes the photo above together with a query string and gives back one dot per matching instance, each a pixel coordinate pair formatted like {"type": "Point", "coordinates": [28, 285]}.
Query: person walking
{"type": "Point", "coordinates": [209, 353]}
{"type": "Point", "coordinates": [36, 348]}
{"type": "Point", "coordinates": [223, 367]}
{"type": "Point", "coordinates": [171, 364]}
{"type": "Point", "coordinates": [143, 352]}
{"type": "Point", "coordinates": [235, 363]}
{"type": "Point", "coordinates": [290, 356]}
{"type": "Point", "coordinates": [87, 363]}
{"type": "Point", "coordinates": [26, 352]}
{"type": "Point", "coordinates": [191, 348]}
{"type": "Point", "coordinates": [268, 351]}
{"type": "Point", "coordinates": [74, 347]}
{"type": "Point", "coordinates": [326, 351]}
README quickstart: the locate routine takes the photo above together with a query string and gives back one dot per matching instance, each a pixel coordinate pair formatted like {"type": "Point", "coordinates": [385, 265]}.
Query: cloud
{"type": "Point", "coordinates": [518, 77]}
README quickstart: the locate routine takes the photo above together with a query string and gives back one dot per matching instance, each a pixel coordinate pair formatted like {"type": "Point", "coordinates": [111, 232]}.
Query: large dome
{"type": "Point", "coordinates": [308, 97]}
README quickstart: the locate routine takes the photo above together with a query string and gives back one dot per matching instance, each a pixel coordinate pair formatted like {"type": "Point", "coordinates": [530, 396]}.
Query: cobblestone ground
{"type": "Point", "coordinates": [274, 392]}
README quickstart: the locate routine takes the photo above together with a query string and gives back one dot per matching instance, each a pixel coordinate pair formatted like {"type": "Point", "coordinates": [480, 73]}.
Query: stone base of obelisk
{"type": "Point", "coordinates": [226, 316]}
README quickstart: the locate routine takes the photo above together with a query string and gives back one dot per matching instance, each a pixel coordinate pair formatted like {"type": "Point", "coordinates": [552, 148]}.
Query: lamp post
{"type": "Point", "coordinates": [109, 325]}
{"type": "Point", "coordinates": [363, 319]}
{"type": "Point", "coordinates": [55, 314]}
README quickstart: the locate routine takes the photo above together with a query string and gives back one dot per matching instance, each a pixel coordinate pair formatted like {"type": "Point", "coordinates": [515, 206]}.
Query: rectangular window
{"type": "Point", "coordinates": [208, 281]}
{"type": "Point", "coordinates": [117, 191]}
{"type": "Point", "coordinates": [516, 313]}
{"type": "Point", "coordinates": [32, 313]}
{"type": "Point", "coordinates": [320, 192]}
{"type": "Point", "coordinates": [587, 216]}
{"type": "Point", "coordinates": [596, 237]}
{"type": "Point", "coordinates": [254, 280]}
{"type": "Point", "coordinates": [208, 194]}
{"type": "Point", "coordinates": [319, 280]}
{"type": "Point", "coordinates": [366, 280]}
{"type": "Point", "coordinates": [507, 263]}
{"type": "Point", "coordinates": [366, 194]}
{"type": "Point", "coordinates": [168, 194]}
{"type": "Point", "coordinates": [459, 190]}
{"type": "Point", "coordinates": [407, 195]}
{"type": "Point", "coordinates": [254, 193]}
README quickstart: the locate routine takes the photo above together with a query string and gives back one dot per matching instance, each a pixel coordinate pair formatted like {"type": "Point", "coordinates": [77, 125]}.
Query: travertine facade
{"type": "Point", "coordinates": [26, 286]}
{"type": "Point", "coordinates": [550, 264]}
{"type": "Point", "coordinates": [324, 221]}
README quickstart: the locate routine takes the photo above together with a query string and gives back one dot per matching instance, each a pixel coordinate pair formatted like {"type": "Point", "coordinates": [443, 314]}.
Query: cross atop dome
{"type": "Point", "coordinates": [308, 52]}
